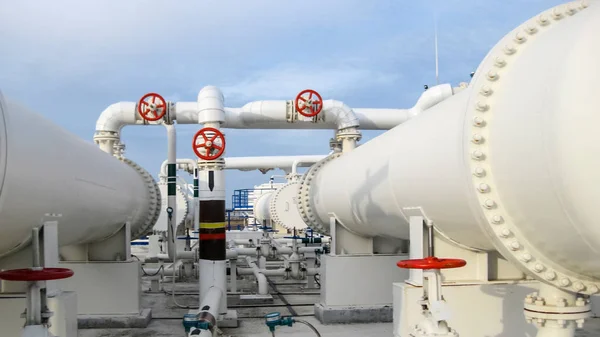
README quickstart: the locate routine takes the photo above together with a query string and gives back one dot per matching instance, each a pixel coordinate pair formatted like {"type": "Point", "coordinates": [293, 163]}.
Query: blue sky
{"type": "Point", "coordinates": [69, 60]}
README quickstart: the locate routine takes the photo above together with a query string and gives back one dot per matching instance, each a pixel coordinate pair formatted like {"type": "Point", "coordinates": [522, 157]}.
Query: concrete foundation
{"type": "Point", "coordinates": [255, 299]}
{"type": "Point", "coordinates": [115, 321]}
{"type": "Point", "coordinates": [357, 288]}
{"type": "Point", "coordinates": [229, 320]}
{"type": "Point", "coordinates": [353, 314]}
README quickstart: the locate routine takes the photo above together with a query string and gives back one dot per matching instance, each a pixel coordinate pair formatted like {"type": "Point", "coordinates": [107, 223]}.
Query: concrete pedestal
{"type": "Point", "coordinates": [63, 321]}
{"type": "Point", "coordinates": [358, 288]}
{"type": "Point", "coordinates": [108, 294]}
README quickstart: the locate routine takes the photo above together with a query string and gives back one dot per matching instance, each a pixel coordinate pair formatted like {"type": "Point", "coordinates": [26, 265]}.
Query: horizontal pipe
{"type": "Point", "coordinates": [266, 272]}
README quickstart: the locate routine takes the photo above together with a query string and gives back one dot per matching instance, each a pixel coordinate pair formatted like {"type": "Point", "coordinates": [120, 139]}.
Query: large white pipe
{"type": "Point", "coordinates": [45, 169]}
{"type": "Point", "coordinates": [507, 164]}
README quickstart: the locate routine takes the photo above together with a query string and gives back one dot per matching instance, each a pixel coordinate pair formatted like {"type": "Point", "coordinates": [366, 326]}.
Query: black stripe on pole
{"type": "Point", "coordinates": [196, 188]}
{"type": "Point", "coordinates": [212, 230]}
{"type": "Point", "coordinates": [171, 179]}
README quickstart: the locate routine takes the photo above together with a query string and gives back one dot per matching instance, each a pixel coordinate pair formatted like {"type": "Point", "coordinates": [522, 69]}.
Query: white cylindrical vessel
{"type": "Point", "coordinates": [45, 169]}
{"type": "Point", "coordinates": [508, 164]}
{"type": "Point", "coordinates": [261, 207]}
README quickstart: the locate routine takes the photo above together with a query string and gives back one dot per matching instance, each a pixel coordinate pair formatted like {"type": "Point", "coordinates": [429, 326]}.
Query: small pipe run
{"type": "Point", "coordinates": [260, 277]}
{"type": "Point", "coordinates": [249, 163]}
{"type": "Point", "coordinates": [266, 272]}
{"type": "Point", "coordinates": [209, 109]}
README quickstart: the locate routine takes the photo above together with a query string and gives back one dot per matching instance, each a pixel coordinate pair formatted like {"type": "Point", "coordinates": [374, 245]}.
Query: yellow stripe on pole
{"type": "Point", "coordinates": [212, 225]}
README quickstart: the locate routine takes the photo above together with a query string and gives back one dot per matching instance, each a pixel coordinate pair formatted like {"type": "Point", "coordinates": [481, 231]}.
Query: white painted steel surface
{"type": "Point", "coordinates": [45, 169]}
{"type": "Point", "coordinates": [509, 164]}
{"type": "Point", "coordinates": [261, 207]}
{"type": "Point", "coordinates": [268, 114]}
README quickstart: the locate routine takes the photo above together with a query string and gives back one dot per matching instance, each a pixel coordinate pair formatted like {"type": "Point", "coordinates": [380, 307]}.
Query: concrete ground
{"type": "Point", "coordinates": [167, 317]}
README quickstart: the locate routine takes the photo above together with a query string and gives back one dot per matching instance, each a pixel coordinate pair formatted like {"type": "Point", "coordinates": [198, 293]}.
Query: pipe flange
{"type": "Point", "coordinates": [289, 219]}
{"type": "Point", "coordinates": [504, 233]}
{"type": "Point", "coordinates": [154, 201]}
{"type": "Point", "coordinates": [182, 208]}
{"type": "Point", "coordinates": [304, 199]}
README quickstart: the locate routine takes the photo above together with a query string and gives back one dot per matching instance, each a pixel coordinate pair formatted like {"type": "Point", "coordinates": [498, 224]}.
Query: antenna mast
{"type": "Point", "coordinates": [437, 70]}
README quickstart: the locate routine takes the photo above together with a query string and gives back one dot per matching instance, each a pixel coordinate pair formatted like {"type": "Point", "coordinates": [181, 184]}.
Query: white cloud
{"type": "Point", "coordinates": [286, 80]}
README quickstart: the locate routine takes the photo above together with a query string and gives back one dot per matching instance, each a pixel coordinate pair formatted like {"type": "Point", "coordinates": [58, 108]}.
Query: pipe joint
{"type": "Point", "coordinates": [211, 105]}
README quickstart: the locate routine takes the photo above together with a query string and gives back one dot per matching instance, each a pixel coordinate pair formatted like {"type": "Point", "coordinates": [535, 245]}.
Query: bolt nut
{"type": "Point", "coordinates": [556, 15]}
{"type": "Point", "coordinates": [497, 219]}
{"type": "Point", "coordinates": [499, 62]}
{"type": "Point", "coordinates": [477, 138]}
{"type": "Point", "coordinates": [509, 49]}
{"type": "Point", "coordinates": [550, 276]}
{"type": "Point", "coordinates": [578, 286]}
{"type": "Point", "coordinates": [479, 172]}
{"type": "Point", "coordinates": [580, 302]}
{"type": "Point", "coordinates": [477, 155]}
{"type": "Point", "coordinates": [505, 232]}
{"type": "Point", "coordinates": [482, 106]}
{"type": "Point", "coordinates": [526, 258]}
{"type": "Point", "coordinates": [483, 188]}
{"type": "Point", "coordinates": [531, 29]}
{"type": "Point", "coordinates": [593, 289]}
{"type": "Point", "coordinates": [539, 268]}
{"type": "Point", "coordinates": [478, 121]}
{"type": "Point", "coordinates": [543, 20]}
{"type": "Point", "coordinates": [561, 302]}
{"type": "Point", "coordinates": [520, 38]}
{"type": "Point", "coordinates": [565, 282]}
{"type": "Point", "coordinates": [492, 75]}
{"type": "Point", "coordinates": [486, 91]}
{"type": "Point", "coordinates": [489, 204]}
{"type": "Point", "coordinates": [515, 245]}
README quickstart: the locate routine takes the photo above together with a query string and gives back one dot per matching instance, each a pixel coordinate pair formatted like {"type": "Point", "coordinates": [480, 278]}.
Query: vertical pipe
{"type": "Point", "coordinates": [171, 189]}
{"type": "Point", "coordinates": [35, 246]}
{"type": "Point", "coordinates": [213, 245]}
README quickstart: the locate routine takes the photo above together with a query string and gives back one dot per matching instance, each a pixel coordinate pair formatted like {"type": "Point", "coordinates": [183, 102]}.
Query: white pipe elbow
{"type": "Point", "coordinates": [211, 108]}
{"type": "Point", "coordinates": [116, 116]}
{"type": "Point", "coordinates": [431, 97]}
{"type": "Point", "coordinates": [340, 114]}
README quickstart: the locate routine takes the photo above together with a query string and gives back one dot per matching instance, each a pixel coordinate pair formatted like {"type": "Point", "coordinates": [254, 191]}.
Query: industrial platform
{"type": "Point", "coordinates": [167, 317]}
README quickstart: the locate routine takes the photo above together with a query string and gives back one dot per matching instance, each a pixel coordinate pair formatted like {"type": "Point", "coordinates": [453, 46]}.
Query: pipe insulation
{"type": "Point", "coordinates": [45, 169]}
{"type": "Point", "coordinates": [507, 164]}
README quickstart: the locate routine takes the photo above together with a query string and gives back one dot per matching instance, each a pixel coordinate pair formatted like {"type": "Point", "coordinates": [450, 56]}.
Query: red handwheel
{"type": "Point", "coordinates": [32, 275]}
{"type": "Point", "coordinates": [211, 140]}
{"type": "Point", "coordinates": [308, 106]}
{"type": "Point", "coordinates": [431, 263]}
{"type": "Point", "coordinates": [152, 107]}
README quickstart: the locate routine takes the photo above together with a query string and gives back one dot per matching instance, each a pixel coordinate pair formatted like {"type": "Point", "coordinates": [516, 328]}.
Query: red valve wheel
{"type": "Point", "coordinates": [431, 263]}
{"type": "Point", "coordinates": [150, 109]}
{"type": "Point", "coordinates": [43, 274]}
{"type": "Point", "coordinates": [313, 105]}
{"type": "Point", "coordinates": [205, 139]}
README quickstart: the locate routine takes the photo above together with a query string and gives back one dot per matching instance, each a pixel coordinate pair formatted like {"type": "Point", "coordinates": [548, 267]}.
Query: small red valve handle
{"type": "Point", "coordinates": [32, 275]}
{"type": "Point", "coordinates": [150, 109]}
{"type": "Point", "coordinates": [431, 263]}
{"type": "Point", "coordinates": [310, 106]}
{"type": "Point", "coordinates": [202, 140]}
